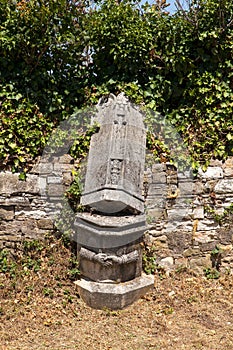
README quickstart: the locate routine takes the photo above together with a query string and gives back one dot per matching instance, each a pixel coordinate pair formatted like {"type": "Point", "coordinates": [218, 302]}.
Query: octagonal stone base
{"type": "Point", "coordinates": [114, 296]}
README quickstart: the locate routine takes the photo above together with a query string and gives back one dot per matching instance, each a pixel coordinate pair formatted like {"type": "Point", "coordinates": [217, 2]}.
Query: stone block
{"type": "Point", "coordinates": [157, 190]}
{"type": "Point", "coordinates": [225, 235]}
{"type": "Point", "coordinates": [213, 172]}
{"type": "Point", "coordinates": [159, 178]}
{"type": "Point", "coordinates": [114, 296]}
{"type": "Point", "coordinates": [167, 263]}
{"type": "Point", "coordinates": [18, 201]}
{"type": "Point", "coordinates": [46, 168]}
{"type": "Point", "coordinates": [179, 241]}
{"type": "Point", "coordinates": [160, 167]}
{"type": "Point", "coordinates": [11, 185]}
{"type": "Point", "coordinates": [65, 159]}
{"type": "Point", "coordinates": [45, 224]}
{"type": "Point", "coordinates": [198, 264]}
{"type": "Point", "coordinates": [198, 213]}
{"type": "Point", "coordinates": [204, 237]}
{"type": "Point", "coordinates": [156, 214]}
{"type": "Point", "coordinates": [198, 187]}
{"type": "Point", "coordinates": [229, 163]}
{"type": "Point", "coordinates": [63, 167]}
{"type": "Point", "coordinates": [186, 188]}
{"type": "Point", "coordinates": [7, 213]}
{"type": "Point", "coordinates": [162, 239]}
{"type": "Point", "coordinates": [10, 227]}
{"type": "Point", "coordinates": [52, 179]}
{"type": "Point", "coordinates": [190, 252]}
{"type": "Point", "coordinates": [178, 226]}
{"type": "Point", "coordinates": [208, 246]}
{"type": "Point", "coordinates": [178, 214]}
{"type": "Point", "coordinates": [155, 202]}
{"type": "Point", "coordinates": [224, 186]}
{"type": "Point", "coordinates": [33, 214]}
{"type": "Point", "coordinates": [116, 158]}
{"type": "Point", "coordinates": [207, 225]}
{"type": "Point", "coordinates": [228, 172]}
{"type": "Point", "coordinates": [55, 190]}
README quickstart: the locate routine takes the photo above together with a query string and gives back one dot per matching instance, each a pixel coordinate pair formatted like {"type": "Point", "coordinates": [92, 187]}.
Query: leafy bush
{"type": "Point", "coordinates": [59, 56]}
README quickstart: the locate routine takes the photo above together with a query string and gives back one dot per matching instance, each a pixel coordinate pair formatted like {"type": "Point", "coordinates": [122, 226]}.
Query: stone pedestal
{"type": "Point", "coordinates": [114, 296]}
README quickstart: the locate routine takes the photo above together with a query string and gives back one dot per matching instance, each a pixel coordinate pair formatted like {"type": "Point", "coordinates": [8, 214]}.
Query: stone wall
{"type": "Point", "coordinates": [25, 211]}
{"type": "Point", "coordinates": [187, 216]}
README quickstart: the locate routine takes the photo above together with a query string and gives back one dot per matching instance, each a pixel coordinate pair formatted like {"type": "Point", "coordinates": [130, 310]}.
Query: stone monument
{"type": "Point", "coordinates": [110, 231]}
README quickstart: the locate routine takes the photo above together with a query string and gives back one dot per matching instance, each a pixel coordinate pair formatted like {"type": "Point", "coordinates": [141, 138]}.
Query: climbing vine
{"type": "Point", "coordinates": [57, 57]}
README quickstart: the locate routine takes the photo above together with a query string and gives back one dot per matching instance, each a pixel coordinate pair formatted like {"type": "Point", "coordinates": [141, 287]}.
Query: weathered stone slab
{"type": "Point", "coordinates": [213, 172]}
{"type": "Point", "coordinates": [10, 184]}
{"type": "Point", "coordinates": [198, 213]}
{"type": "Point", "coordinates": [114, 296]}
{"type": "Point", "coordinates": [116, 158]}
{"type": "Point", "coordinates": [224, 186]}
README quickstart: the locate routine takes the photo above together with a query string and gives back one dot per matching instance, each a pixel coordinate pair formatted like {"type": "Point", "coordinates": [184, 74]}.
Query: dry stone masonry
{"type": "Point", "coordinates": [191, 218]}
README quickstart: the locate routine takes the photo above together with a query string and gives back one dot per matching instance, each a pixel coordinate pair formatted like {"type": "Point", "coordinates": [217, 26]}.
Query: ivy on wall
{"type": "Point", "coordinates": [60, 56]}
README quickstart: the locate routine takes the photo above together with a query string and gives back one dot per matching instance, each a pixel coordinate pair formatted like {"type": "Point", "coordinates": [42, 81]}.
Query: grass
{"type": "Point", "coordinates": [40, 308]}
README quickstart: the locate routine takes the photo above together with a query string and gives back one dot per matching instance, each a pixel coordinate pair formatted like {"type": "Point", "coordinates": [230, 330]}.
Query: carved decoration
{"type": "Point", "coordinates": [109, 259]}
{"type": "Point", "coordinates": [115, 171]}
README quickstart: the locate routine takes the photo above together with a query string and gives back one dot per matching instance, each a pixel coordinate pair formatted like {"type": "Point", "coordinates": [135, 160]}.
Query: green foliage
{"type": "Point", "coordinates": [24, 129]}
{"type": "Point", "coordinates": [149, 260]}
{"type": "Point", "coordinates": [80, 146]}
{"type": "Point", "coordinates": [59, 56]}
{"type": "Point", "coordinates": [48, 292]}
{"type": "Point", "coordinates": [74, 272]}
{"type": "Point", "coordinates": [220, 218]}
{"type": "Point", "coordinates": [7, 265]}
{"type": "Point", "coordinates": [74, 193]}
{"type": "Point", "coordinates": [211, 274]}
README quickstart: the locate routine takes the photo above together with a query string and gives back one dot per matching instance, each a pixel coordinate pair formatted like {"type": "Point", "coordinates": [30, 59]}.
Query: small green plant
{"type": "Point", "coordinates": [73, 272]}
{"type": "Point", "coordinates": [31, 257]}
{"type": "Point", "coordinates": [109, 312]}
{"type": "Point", "coordinates": [31, 264]}
{"type": "Point", "coordinates": [68, 296]}
{"type": "Point", "coordinates": [48, 292]}
{"type": "Point", "coordinates": [192, 299]}
{"type": "Point", "coordinates": [219, 218]}
{"type": "Point", "coordinates": [7, 265]}
{"type": "Point", "coordinates": [74, 192]}
{"type": "Point", "coordinates": [211, 273]}
{"type": "Point", "coordinates": [149, 260]}
{"type": "Point", "coordinates": [32, 246]}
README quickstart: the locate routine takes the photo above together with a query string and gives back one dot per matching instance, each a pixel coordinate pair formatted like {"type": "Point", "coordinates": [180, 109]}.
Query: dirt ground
{"type": "Point", "coordinates": [42, 310]}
